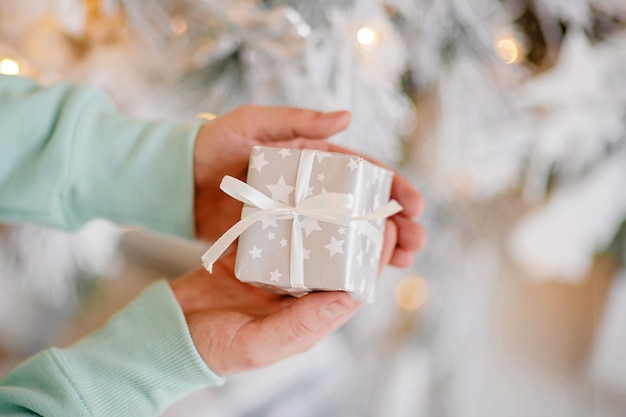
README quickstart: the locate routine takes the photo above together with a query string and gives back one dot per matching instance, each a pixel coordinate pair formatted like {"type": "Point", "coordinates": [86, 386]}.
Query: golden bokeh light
{"type": "Point", "coordinates": [9, 66]}
{"type": "Point", "coordinates": [206, 116]}
{"type": "Point", "coordinates": [411, 293]}
{"type": "Point", "coordinates": [508, 50]}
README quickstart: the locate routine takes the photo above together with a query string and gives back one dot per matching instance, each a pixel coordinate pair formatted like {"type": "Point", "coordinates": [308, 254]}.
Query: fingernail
{"type": "Point", "coordinates": [336, 113]}
{"type": "Point", "coordinates": [335, 309]}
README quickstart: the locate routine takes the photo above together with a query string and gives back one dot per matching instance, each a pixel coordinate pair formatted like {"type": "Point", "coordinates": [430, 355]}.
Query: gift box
{"type": "Point", "coordinates": [312, 220]}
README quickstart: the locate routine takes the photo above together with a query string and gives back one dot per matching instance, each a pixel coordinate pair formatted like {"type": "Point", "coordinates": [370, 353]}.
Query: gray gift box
{"type": "Point", "coordinates": [334, 255]}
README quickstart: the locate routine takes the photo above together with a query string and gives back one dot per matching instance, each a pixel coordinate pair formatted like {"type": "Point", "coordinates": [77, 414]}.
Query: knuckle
{"type": "Point", "coordinates": [299, 329]}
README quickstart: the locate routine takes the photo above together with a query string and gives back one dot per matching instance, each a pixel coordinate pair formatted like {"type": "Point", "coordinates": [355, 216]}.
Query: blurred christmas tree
{"type": "Point", "coordinates": [509, 115]}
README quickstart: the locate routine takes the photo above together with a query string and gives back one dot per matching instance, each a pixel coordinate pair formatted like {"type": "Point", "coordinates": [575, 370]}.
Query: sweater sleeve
{"type": "Point", "coordinates": [67, 156]}
{"type": "Point", "coordinates": [138, 364]}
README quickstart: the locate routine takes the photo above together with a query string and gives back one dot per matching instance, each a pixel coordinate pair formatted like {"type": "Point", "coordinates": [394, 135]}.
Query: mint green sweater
{"type": "Point", "coordinates": [66, 157]}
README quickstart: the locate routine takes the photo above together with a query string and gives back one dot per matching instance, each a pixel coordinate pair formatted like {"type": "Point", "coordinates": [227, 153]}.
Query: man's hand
{"type": "Point", "coordinates": [236, 326]}
{"type": "Point", "coordinates": [223, 148]}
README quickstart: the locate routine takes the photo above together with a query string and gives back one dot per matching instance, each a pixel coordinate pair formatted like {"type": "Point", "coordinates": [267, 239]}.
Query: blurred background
{"type": "Point", "coordinates": [508, 115]}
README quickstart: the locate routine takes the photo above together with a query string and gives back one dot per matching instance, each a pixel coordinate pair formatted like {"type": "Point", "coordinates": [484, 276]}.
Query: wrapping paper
{"type": "Point", "coordinates": [337, 255]}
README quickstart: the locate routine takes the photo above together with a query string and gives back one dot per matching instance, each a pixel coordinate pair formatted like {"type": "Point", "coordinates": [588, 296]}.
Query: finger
{"type": "Point", "coordinates": [298, 327]}
{"type": "Point", "coordinates": [411, 235]}
{"type": "Point", "coordinates": [389, 245]}
{"type": "Point", "coordinates": [409, 198]}
{"type": "Point", "coordinates": [268, 124]}
{"type": "Point", "coordinates": [402, 258]}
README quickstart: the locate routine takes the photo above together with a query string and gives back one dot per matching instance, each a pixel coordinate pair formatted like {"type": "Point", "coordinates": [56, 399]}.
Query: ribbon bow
{"type": "Point", "coordinates": [333, 208]}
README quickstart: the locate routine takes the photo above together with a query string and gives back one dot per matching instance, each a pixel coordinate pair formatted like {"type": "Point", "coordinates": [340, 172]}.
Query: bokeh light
{"type": "Point", "coordinates": [366, 36]}
{"type": "Point", "coordinates": [411, 293]}
{"type": "Point", "coordinates": [206, 116]}
{"type": "Point", "coordinates": [9, 66]}
{"type": "Point", "coordinates": [508, 50]}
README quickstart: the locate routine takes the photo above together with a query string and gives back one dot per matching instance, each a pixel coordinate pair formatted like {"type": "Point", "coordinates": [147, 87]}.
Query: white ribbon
{"type": "Point", "coordinates": [333, 208]}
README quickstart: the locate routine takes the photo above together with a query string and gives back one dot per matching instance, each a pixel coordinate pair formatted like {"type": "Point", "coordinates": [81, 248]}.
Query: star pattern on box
{"type": "Point", "coordinates": [268, 222]}
{"type": "Point", "coordinates": [353, 164]}
{"type": "Point", "coordinates": [309, 225]}
{"type": "Point", "coordinates": [281, 190]}
{"type": "Point", "coordinates": [258, 162]}
{"type": "Point", "coordinates": [334, 246]}
{"type": "Point", "coordinates": [275, 275]}
{"type": "Point", "coordinates": [326, 245]}
{"type": "Point", "coordinates": [255, 252]}
{"type": "Point", "coordinates": [321, 155]}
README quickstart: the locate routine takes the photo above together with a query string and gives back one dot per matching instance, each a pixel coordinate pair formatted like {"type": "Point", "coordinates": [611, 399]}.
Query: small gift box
{"type": "Point", "coordinates": [312, 220]}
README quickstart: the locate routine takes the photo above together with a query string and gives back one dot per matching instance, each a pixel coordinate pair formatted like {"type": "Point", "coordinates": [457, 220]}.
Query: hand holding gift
{"type": "Point", "coordinates": [223, 148]}
{"type": "Point", "coordinates": [236, 326]}
{"type": "Point", "coordinates": [324, 232]}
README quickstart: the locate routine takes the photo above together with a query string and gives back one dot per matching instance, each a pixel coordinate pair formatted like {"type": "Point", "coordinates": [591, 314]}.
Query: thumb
{"type": "Point", "coordinates": [301, 325]}
{"type": "Point", "coordinates": [268, 124]}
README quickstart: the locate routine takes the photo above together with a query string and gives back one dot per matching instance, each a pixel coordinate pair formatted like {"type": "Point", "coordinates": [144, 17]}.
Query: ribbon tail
{"type": "Point", "coordinates": [388, 210]}
{"type": "Point", "coordinates": [224, 241]}
{"type": "Point", "coordinates": [245, 193]}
